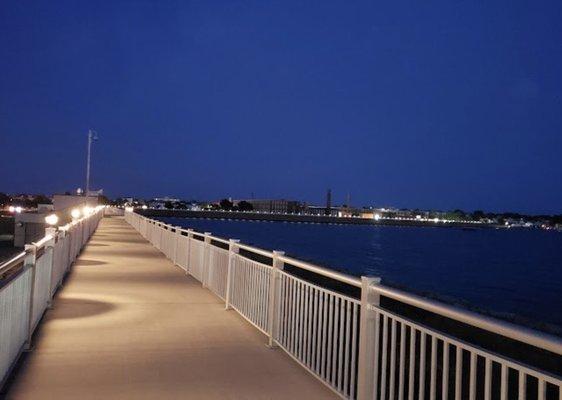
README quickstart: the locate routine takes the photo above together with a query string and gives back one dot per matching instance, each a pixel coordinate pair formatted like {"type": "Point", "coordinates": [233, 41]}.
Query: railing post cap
{"type": "Point", "coordinates": [30, 248]}
{"type": "Point", "coordinates": [278, 253]}
{"type": "Point", "coordinates": [371, 279]}
{"type": "Point", "coordinates": [234, 240]}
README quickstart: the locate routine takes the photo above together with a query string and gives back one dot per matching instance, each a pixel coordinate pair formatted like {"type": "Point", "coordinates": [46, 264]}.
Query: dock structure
{"type": "Point", "coordinates": [128, 324]}
{"type": "Point", "coordinates": [151, 310]}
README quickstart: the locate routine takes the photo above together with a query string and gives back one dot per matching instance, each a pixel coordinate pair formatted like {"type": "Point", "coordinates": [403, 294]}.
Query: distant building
{"type": "Point", "coordinates": [159, 203]}
{"type": "Point", "coordinates": [316, 210]}
{"type": "Point", "coordinates": [274, 205]}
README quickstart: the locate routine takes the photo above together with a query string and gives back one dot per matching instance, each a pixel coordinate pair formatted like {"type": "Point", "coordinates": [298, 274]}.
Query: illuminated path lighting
{"type": "Point", "coordinates": [52, 219]}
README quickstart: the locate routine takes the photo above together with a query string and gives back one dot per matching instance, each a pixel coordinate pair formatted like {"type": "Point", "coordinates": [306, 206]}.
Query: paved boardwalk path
{"type": "Point", "coordinates": [130, 325]}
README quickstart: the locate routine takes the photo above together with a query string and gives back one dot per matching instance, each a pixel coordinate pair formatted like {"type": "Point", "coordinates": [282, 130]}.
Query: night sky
{"type": "Point", "coordinates": [412, 104]}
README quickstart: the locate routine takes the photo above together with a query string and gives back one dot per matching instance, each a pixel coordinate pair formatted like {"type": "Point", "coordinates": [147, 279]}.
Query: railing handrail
{"type": "Point", "coordinates": [12, 263]}
{"type": "Point", "coordinates": [15, 261]}
{"type": "Point", "coordinates": [329, 273]}
{"type": "Point", "coordinates": [512, 331]}
{"type": "Point", "coordinates": [477, 320]}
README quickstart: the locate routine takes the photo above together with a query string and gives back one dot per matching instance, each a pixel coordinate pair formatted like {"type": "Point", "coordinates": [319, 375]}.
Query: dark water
{"type": "Point", "coordinates": [515, 273]}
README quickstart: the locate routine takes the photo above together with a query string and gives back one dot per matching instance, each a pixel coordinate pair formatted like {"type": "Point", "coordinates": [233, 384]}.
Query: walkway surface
{"type": "Point", "coordinates": [128, 324]}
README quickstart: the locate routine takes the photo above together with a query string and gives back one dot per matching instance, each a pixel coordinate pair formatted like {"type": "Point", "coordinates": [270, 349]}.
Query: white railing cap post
{"type": "Point", "coordinates": [367, 330]}
{"type": "Point", "coordinates": [31, 251]}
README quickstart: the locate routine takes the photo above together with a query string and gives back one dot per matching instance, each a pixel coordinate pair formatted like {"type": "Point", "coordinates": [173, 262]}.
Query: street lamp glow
{"type": "Point", "coordinates": [12, 209]}
{"type": "Point", "coordinates": [52, 219]}
{"type": "Point", "coordinates": [75, 213]}
{"type": "Point", "coordinates": [377, 217]}
{"type": "Point", "coordinates": [144, 207]}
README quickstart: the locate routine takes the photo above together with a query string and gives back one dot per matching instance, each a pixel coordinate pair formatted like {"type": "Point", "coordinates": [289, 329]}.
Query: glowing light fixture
{"type": "Point", "coordinates": [12, 209]}
{"type": "Point", "coordinates": [75, 213]}
{"type": "Point", "coordinates": [144, 207]}
{"type": "Point", "coordinates": [377, 217]}
{"type": "Point", "coordinates": [18, 209]}
{"type": "Point", "coordinates": [52, 219]}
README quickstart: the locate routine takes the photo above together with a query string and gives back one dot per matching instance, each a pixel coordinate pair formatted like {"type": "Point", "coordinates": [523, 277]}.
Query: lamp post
{"type": "Point", "coordinates": [92, 135]}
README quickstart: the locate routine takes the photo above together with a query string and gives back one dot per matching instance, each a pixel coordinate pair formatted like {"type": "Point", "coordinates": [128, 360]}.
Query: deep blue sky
{"type": "Point", "coordinates": [412, 104]}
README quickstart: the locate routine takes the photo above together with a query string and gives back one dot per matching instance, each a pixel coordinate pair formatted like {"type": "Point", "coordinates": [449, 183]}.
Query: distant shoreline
{"type": "Point", "coordinates": [314, 219]}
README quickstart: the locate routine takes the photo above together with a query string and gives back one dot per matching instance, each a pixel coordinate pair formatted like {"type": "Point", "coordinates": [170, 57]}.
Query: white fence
{"type": "Point", "coordinates": [360, 338]}
{"type": "Point", "coordinates": [29, 281]}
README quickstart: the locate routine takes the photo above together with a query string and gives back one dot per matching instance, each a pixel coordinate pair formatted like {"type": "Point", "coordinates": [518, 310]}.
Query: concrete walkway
{"type": "Point", "coordinates": [130, 325]}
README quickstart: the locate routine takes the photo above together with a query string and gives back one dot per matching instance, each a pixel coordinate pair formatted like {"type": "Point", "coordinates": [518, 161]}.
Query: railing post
{"type": "Point", "coordinates": [367, 334]}
{"type": "Point", "coordinates": [30, 262]}
{"type": "Point", "coordinates": [177, 238]}
{"type": "Point", "coordinates": [206, 259]}
{"type": "Point", "coordinates": [233, 249]}
{"type": "Point", "coordinates": [274, 298]}
{"type": "Point", "coordinates": [188, 261]}
{"type": "Point", "coordinates": [50, 253]}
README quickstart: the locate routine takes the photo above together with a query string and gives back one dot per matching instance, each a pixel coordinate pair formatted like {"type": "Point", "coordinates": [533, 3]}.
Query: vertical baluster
{"type": "Point", "coordinates": [330, 334]}
{"type": "Point", "coordinates": [421, 393]}
{"type": "Point", "coordinates": [315, 325]}
{"type": "Point", "coordinates": [284, 314]}
{"type": "Point", "coordinates": [306, 321]}
{"type": "Point", "coordinates": [300, 320]}
{"type": "Point", "coordinates": [325, 334]}
{"type": "Point", "coordinates": [541, 389]}
{"type": "Point", "coordinates": [347, 345]}
{"type": "Point", "coordinates": [340, 346]}
{"type": "Point", "coordinates": [503, 384]}
{"type": "Point", "coordinates": [445, 381]}
{"type": "Point", "coordinates": [488, 380]}
{"type": "Point", "coordinates": [384, 356]}
{"type": "Point", "coordinates": [392, 360]}
{"type": "Point", "coordinates": [522, 395]}
{"type": "Point", "coordinates": [458, 374]}
{"type": "Point", "coordinates": [310, 322]}
{"type": "Point", "coordinates": [402, 361]}
{"type": "Point", "coordinates": [472, 377]}
{"type": "Point", "coordinates": [433, 373]}
{"type": "Point", "coordinates": [353, 350]}
{"type": "Point", "coordinates": [294, 316]}
{"type": "Point", "coordinates": [335, 340]}
{"type": "Point", "coordinates": [319, 345]}
{"type": "Point", "coordinates": [412, 366]}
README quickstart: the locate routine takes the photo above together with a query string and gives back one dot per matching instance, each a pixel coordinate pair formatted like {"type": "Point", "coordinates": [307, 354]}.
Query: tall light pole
{"type": "Point", "coordinates": [92, 135]}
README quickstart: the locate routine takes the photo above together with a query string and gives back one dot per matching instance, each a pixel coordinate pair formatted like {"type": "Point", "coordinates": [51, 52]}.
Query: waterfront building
{"type": "Point", "coordinates": [274, 205]}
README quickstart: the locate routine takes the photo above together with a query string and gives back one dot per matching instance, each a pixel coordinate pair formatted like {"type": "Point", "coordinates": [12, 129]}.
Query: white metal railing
{"type": "Point", "coordinates": [29, 281]}
{"type": "Point", "coordinates": [355, 346]}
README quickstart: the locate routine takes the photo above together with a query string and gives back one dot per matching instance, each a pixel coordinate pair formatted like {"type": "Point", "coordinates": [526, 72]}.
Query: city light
{"type": "Point", "coordinates": [75, 213]}
{"type": "Point", "coordinates": [52, 219]}
{"type": "Point", "coordinates": [144, 207]}
{"type": "Point", "coordinates": [12, 209]}
{"type": "Point", "coordinates": [18, 209]}
{"type": "Point", "coordinates": [377, 217]}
